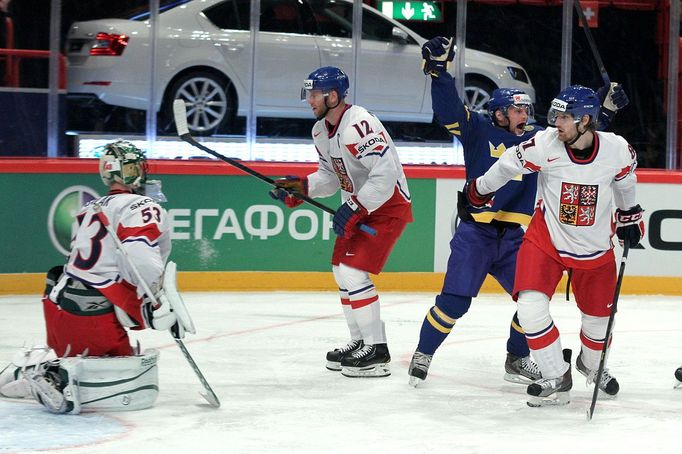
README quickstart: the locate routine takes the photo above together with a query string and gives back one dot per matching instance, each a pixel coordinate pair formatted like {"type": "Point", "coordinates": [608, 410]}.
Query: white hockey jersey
{"type": "Point", "coordinates": [576, 196]}
{"type": "Point", "coordinates": [358, 156]}
{"type": "Point", "coordinates": [140, 224]}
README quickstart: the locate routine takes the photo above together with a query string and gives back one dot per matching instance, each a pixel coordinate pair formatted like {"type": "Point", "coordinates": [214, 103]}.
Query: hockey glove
{"type": "Point", "coordinates": [437, 55]}
{"type": "Point", "coordinates": [630, 225]}
{"type": "Point", "coordinates": [476, 199]}
{"type": "Point", "coordinates": [161, 317]}
{"type": "Point", "coordinates": [347, 217]}
{"type": "Point", "coordinates": [463, 208]}
{"type": "Point", "coordinates": [288, 188]}
{"type": "Point", "coordinates": [613, 97]}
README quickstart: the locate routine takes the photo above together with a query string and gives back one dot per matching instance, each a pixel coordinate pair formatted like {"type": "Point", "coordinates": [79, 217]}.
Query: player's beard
{"type": "Point", "coordinates": [321, 116]}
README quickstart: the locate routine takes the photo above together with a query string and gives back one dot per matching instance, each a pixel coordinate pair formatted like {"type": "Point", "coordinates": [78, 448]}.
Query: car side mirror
{"type": "Point", "coordinates": [399, 35]}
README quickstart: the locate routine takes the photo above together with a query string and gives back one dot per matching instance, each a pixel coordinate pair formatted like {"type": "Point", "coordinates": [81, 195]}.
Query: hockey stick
{"type": "Point", "coordinates": [180, 114]}
{"type": "Point", "coordinates": [609, 326]}
{"type": "Point", "coordinates": [591, 42]}
{"type": "Point", "coordinates": [210, 396]}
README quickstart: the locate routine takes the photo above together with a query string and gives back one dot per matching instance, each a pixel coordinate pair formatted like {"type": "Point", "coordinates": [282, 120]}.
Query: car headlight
{"type": "Point", "coordinates": [517, 73]}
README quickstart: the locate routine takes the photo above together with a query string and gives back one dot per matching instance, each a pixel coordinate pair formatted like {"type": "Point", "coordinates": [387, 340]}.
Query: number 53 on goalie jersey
{"type": "Point", "coordinates": [140, 224]}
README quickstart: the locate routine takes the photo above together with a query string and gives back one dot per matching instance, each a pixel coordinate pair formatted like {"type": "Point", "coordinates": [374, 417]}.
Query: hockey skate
{"type": "Point", "coordinates": [552, 391]}
{"type": "Point", "coordinates": [368, 361]}
{"type": "Point", "coordinates": [334, 357]}
{"type": "Point", "coordinates": [678, 377]}
{"type": "Point", "coordinates": [419, 368]}
{"type": "Point", "coordinates": [522, 370]}
{"type": "Point", "coordinates": [607, 384]}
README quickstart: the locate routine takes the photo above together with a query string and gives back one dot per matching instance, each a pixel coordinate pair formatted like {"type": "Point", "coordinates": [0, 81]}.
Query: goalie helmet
{"type": "Point", "coordinates": [124, 163]}
{"type": "Point", "coordinates": [327, 78]}
{"type": "Point", "coordinates": [503, 98]}
{"type": "Point", "coordinates": [577, 101]}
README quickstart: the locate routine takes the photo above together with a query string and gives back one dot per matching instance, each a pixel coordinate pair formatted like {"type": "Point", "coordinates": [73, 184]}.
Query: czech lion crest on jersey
{"type": "Point", "coordinates": [342, 174]}
{"type": "Point", "coordinates": [578, 204]}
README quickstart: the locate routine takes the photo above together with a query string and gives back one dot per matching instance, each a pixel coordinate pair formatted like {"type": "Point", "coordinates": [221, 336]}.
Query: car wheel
{"type": "Point", "coordinates": [208, 99]}
{"type": "Point", "coordinates": [477, 93]}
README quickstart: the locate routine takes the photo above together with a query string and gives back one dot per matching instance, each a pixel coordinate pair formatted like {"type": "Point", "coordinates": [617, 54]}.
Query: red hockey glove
{"type": "Point", "coordinates": [347, 217]}
{"type": "Point", "coordinates": [288, 188]}
{"type": "Point", "coordinates": [630, 225]}
{"type": "Point", "coordinates": [476, 199]}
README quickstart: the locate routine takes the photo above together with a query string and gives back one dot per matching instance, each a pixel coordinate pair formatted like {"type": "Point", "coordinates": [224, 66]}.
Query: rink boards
{"type": "Point", "coordinates": [228, 234]}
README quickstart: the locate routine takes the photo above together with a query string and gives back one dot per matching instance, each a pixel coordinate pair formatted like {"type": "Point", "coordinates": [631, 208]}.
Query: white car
{"type": "Point", "coordinates": [203, 57]}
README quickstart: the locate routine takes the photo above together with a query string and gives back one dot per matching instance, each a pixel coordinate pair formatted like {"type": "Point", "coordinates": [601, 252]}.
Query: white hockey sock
{"type": "Point", "coordinates": [592, 334]}
{"type": "Point", "coordinates": [369, 321]}
{"type": "Point", "coordinates": [543, 337]}
{"type": "Point", "coordinates": [550, 360]}
{"type": "Point", "coordinates": [353, 327]}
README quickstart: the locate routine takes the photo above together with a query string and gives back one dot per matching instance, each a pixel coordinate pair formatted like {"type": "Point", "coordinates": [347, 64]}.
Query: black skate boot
{"type": "Point", "coordinates": [334, 357]}
{"type": "Point", "coordinates": [521, 370]}
{"type": "Point", "coordinates": [419, 368]}
{"type": "Point", "coordinates": [552, 391]}
{"type": "Point", "coordinates": [678, 376]}
{"type": "Point", "coordinates": [369, 361]}
{"type": "Point", "coordinates": [607, 384]}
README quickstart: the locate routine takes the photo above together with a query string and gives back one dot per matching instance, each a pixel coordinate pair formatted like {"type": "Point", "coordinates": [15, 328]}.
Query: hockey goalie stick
{"type": "Point", "coordinates": [180, 114]}
{"type": "Point", "coordinates": [210, 396]}
{"type": "Point", "coordinates": [609, 326]}
{"type": "Point", "coordinates": [591, 42]}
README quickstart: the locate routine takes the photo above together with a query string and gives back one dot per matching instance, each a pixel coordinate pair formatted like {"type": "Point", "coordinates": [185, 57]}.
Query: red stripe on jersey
{"type": "Point", "coordinates": [345, 301]}
{"type": "Point", "coordinates": [545, 340]}
{"type": "Point", "coordinates": [623, 173]}
{"type": "Point", "coordinates": [531, 166]}
{"type": "Point", "coordinates": [362, 303]}
{"type": "Point", "coordinates": [149, 231]}
{"type": "Point", "coordinates": [352, 149]}
{"type": "Point", "coordinates": [124, 295]}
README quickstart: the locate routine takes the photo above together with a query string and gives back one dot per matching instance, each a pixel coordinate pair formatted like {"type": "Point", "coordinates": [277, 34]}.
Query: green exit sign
{"type": "Point", "coordinates": [416, 11]}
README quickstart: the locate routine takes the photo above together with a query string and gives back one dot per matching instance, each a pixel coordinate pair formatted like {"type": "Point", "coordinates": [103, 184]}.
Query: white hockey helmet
{"type": "Point", "coordinates": [124, 163]}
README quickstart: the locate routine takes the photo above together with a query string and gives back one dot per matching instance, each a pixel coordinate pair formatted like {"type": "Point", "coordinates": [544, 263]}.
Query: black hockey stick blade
{"type": "Point", "coordinates": [180, 114]}
{"type": "Point", "coordinates": [591, 42]}
{"type": "Point", "coordinates": [210, 396]}
{"type": "Point", "coordinates": [609, 326]}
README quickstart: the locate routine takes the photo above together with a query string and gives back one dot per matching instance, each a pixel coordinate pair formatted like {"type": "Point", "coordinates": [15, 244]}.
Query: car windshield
{"type": "Point", "coordinates": [141, 13]}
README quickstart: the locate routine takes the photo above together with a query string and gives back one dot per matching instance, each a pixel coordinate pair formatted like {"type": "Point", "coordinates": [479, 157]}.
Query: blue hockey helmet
{"type": "Point", "coordinates": [503, 98]}
{"type": "Point", "coordinates": [327, 78]}
{"type": "Point", "coordinates": [577, 101]}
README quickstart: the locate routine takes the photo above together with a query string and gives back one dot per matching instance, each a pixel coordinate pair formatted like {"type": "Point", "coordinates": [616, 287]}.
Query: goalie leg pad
{"type": "Point", "coordinates": [13, 384]}
{"type": "Point", "coordinates": [119, 383]}
{"type": "Point", "coordinates": [170, 292]}
{"type": "Point", "coordinates": [98, 383]}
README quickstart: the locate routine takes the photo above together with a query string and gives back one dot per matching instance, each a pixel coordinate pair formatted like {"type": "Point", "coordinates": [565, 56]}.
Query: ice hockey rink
{"type": "Point", "coordinates": [263, 353]}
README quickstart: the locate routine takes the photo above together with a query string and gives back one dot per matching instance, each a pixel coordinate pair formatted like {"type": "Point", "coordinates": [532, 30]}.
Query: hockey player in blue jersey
{"type": "Point", "coordinates": [486, 241]}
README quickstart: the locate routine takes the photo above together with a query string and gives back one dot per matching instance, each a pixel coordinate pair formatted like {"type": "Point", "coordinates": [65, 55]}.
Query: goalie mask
{"type": "Point", "coordinates": [124, 163]}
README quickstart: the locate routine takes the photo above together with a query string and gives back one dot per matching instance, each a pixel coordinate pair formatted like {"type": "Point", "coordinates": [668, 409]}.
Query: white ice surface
{"type": "Point", "coordinates": [263, 353]}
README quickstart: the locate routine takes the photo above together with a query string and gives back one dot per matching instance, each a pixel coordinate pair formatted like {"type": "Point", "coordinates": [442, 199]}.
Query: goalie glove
{"type": "Point", "coordinates": [437, 55]}
{"type": "Point", "coordinates": [476, 199]}
{"type": "Point", "coordinates": [288, 188]}
{"type": "Point", "coordinates": [159, 317]}
{"type": "Point", "coordinates": [630, 225]}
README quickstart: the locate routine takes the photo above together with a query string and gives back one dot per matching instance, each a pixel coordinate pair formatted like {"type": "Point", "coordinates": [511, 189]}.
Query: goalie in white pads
{"type": "Point", "coordinates": [582, 174]}
{"type": "Point", "coordinates": [90, 301]}
{"type": "Point", "coordinates": [356, 155]}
